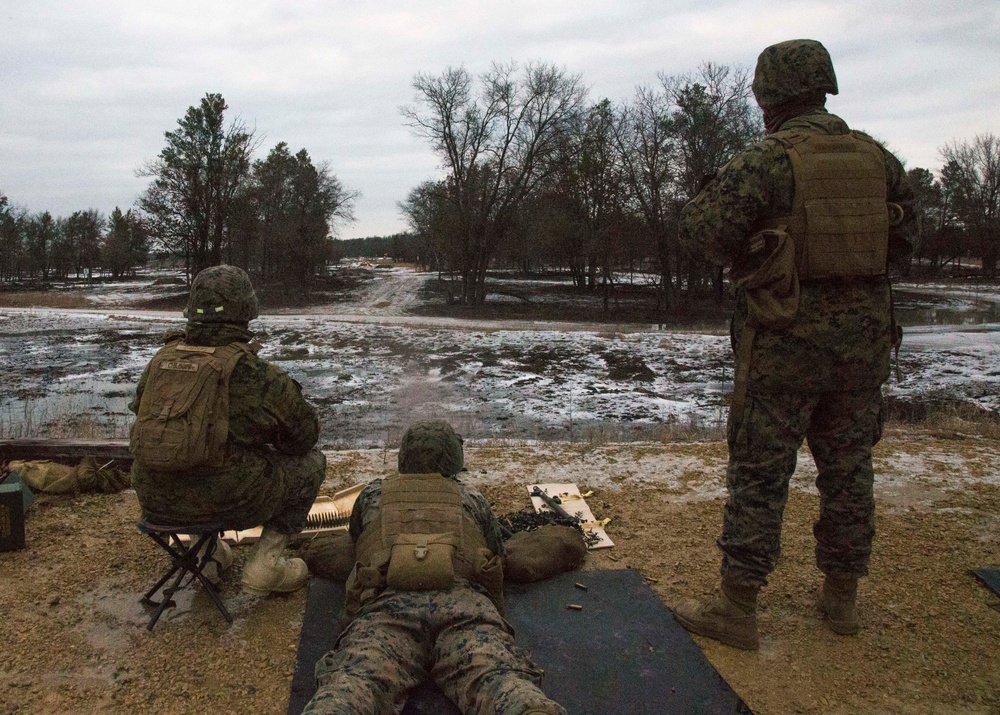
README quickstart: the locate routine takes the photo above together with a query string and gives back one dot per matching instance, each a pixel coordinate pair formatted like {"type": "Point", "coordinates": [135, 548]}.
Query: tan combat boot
{"type": "Point", "coordinates": [729, 616]}
{"type": "Point", "coordinates": [839, 604]}
{"type": "Point", "coordinates": [268, 571]}
{"type": "Point", "coordinates": [219, 561]}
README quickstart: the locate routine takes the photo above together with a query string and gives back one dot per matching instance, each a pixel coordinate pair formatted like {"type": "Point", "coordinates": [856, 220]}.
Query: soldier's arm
{"type": "Point", "coordinates": [487, 520]}
{"type": "Point", "coordinates": [902, 237]}
{"type": "Point", "coordinates": [365, 508]}
{"type": "Point", "coordinates": [273, 404]}
{"type": "Point", "coordinates": [715, 224]}
{"type": "Point", "coordinates": [133, 406]}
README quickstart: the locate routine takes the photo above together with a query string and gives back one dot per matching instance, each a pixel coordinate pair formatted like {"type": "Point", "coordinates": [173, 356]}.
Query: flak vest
{"type": "Point", "coordinates": [838, 229]}
{"type": "Point", "coordinates": [839, 219]}
{"type": "Point", "coordinates": [421, 540]}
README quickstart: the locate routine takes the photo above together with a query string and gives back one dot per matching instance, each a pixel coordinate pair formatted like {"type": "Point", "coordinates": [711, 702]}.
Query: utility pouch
{"type": "Point", "coordinates": [767, 272]}
{"type": "Point", "coordinates": [422, 562]}
{"type": "Point", "coordinates": [489, 573]}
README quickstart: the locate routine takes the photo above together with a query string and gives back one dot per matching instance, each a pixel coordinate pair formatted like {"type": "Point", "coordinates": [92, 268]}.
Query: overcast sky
{"type": "Point", "coordinates": [90, 86]}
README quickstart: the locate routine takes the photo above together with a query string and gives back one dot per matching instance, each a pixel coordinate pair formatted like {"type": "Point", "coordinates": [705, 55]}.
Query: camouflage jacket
{"type": "Point", "coordinates": [841, 337]}
{"type": "Point", "coordinates": [268, 417]}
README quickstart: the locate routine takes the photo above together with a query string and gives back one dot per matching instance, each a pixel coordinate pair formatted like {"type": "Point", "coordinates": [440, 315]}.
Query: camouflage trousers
{"type": "Point", "coordinates": [254, 488]}
{"type": "Point", "coordinates": [841, 428]}
{"type": "Point", "coordinates": [455, 638]}
{"type": "Point", "coordinates": [300, 479]}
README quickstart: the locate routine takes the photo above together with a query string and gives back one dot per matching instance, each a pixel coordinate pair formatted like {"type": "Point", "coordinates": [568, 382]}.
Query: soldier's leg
{"type": "Point", "coordinates": [300, 478]}
{"type": "Point", "coordinates": [476, 662]}
{"type": "Point", "coordinates": [763, 447]}
{"type": "Point", "coordinates": [377, 660]}
{"type": "Point", "coordinates": [844, 428]}
{"type": "Point", "coordinates": [295, 482]}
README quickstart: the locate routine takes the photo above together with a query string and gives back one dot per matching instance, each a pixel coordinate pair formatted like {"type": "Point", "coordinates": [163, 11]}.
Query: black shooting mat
{"type": "Point", "coordinates": [990, 578]}
{"type": "Point", "coordinates": [622, 653]}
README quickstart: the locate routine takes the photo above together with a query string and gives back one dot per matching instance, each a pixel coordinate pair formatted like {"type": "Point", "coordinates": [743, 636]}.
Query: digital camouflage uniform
{"type": "Point", "coordinates": [818, 378]}
{"type": "Point", "coordinates": [272, 470]}
{"type": "Point", "coordinates": [456, 638]}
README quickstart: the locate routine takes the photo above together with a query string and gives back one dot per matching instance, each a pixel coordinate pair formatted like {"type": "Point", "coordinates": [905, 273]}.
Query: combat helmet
{"type": "Point", "coordinates": [431, 446]}
{"type": "Point", "coordinates": [791, 70]}
{"type": "Point", "coordinates": [221, 294]}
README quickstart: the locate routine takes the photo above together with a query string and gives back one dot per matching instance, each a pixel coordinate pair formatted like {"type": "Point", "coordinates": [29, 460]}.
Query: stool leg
{"type": "Point", "coordinates": [177, 564]}
{"type": "Point", "coordinates": [211, 588]}
{"type": "Point", "coordinates": [185, 560]}
{"type": "Point", "coordinates": [167, 599]}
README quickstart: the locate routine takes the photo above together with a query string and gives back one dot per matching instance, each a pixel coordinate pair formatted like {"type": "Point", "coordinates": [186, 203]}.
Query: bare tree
{"type": "Point", "coordinates": [646, 143]}
{"type": "Point", "coordinates": [496, 146]}
{"type": "Point", "coordinates": [713, 118]}
{"type": "Point", "coordinates": [427, 211]}
{"type": "Point", "coordinates": [670, 139]}
{"type": "Point", "coordinates": [974, 172]}
{"type": "Point", "coordinates": [588, 186]}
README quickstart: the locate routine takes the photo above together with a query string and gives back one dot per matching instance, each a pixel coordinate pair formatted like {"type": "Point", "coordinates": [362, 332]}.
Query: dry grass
{"type": "Point", "coordinates": [42, 299]}
{"type": "Point", "coordinates": [957, 419]}
{"type": "Point", "coordinates": [32, 421]}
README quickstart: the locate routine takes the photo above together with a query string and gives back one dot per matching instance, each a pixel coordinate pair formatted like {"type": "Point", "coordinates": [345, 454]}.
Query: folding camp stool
{"type": "Point", "coordinates": [190, 558]}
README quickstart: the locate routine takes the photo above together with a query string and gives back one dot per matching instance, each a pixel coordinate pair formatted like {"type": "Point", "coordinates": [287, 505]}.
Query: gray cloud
{"type": "Point", "coordinates": [91, 86]}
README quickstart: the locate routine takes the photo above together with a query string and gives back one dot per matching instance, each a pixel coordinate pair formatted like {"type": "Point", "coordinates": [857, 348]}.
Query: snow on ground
{"type": "Point", "coordinates": [370, 369]}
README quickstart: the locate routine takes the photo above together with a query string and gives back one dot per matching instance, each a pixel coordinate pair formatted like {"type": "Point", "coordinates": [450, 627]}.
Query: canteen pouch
{"type": "Point", "coordinates": [422, 562]}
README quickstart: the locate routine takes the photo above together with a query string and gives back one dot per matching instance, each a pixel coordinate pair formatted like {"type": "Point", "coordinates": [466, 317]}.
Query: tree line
{"type": "Point", "coordinates": [86, 244]}
{"type": "Point", "coordinates": [209, 201]}
{"type": "Point", "coordinates": [536, 177]}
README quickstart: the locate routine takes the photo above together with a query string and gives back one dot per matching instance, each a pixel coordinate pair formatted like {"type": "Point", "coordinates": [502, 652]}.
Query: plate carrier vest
{"type": "Point", "coordinates": [839, 219]}
{"type": "Point", "coordinates": [421, 540]}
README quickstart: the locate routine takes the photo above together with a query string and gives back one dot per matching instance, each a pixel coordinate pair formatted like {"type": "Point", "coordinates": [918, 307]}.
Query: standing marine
{"type": "Point", "coordinates": [425, 598]}
{"type": "Point", "coordinates": [220, 435]}
{"type": "Point", "coordinates": [807, 220]}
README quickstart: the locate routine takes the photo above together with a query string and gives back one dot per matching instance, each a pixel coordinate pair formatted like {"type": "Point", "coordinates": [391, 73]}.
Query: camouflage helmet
{"type": "Point", "coordinates": [221, 294]}
{"type": "Point", "coordinates": [431, 446]}
{"type": "Point", "coordinates": [792, 69]}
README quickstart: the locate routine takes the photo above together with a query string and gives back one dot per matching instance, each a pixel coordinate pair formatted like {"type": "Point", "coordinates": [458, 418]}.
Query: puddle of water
{"type": "Point", "coordinates": [916, 308]}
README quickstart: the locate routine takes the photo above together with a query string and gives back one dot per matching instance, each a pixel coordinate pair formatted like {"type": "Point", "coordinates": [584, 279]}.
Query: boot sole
{"type": "Point", "coordinates": [254, 591]}
{"type": "Point", "coordinates": [721, 636]}
{"type": "Point", "coordinates": [841, 628]}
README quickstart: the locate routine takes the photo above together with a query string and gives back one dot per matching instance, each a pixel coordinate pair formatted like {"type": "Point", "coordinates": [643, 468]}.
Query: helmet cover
{"type": "Point", "coordinates": [221, 294]}
{"type": "Point", "coordinates": [431, 446]}
{"type": "Point", "coordinates": [792, 69]}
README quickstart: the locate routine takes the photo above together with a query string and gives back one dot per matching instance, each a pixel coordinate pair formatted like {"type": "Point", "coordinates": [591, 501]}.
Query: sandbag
{"type": "Point", "coordinates": [48, 477]}
{"type": "Point", "coordinates": [542, 553]}
{"type": "Point", "coordinates": [330, 555]}
{"type": "Point", "coordinates": [102, 479]}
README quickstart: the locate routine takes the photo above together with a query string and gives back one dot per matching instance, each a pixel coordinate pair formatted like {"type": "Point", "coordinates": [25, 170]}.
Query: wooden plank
{"type": "Point", "coordinates": [66, 451]}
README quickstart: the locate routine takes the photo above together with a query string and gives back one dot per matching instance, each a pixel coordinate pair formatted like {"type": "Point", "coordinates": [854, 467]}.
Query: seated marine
{"type": "Point", "coordinates": [425, 597]}
{"type": "Point", "coordinates": [222, 436]}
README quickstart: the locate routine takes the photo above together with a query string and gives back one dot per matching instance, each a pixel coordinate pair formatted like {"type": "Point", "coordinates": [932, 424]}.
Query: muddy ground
{"type": "Point", "coordinates": [72, 629]}
{"type": "Point", "coordinates": [367, 360]}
